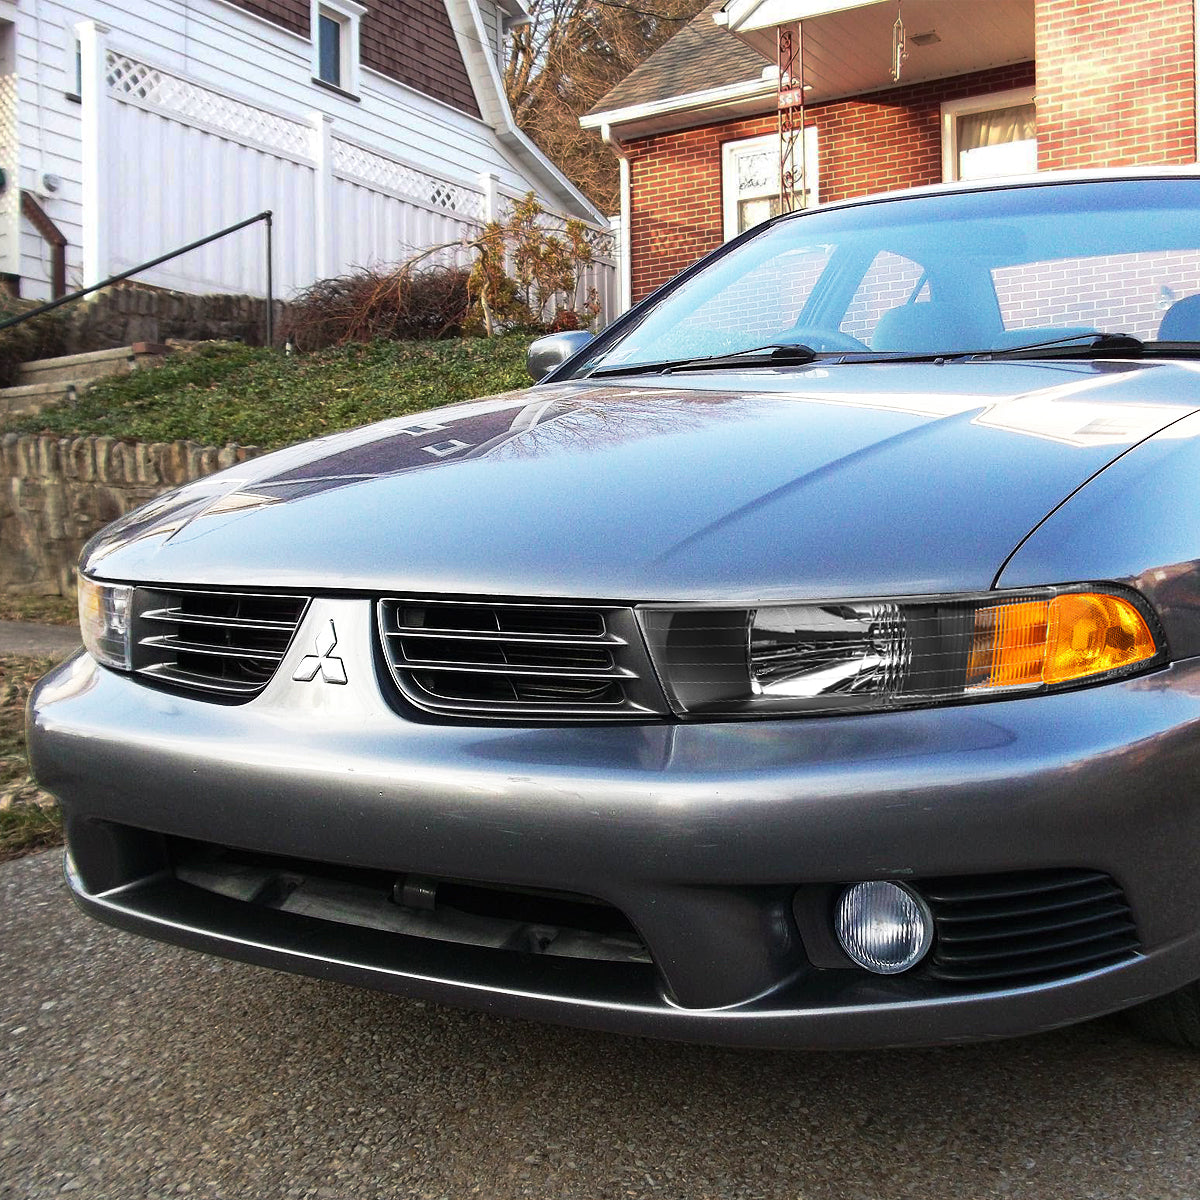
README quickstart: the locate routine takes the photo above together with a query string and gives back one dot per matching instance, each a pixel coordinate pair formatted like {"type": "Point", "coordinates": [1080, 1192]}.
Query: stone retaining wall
{"type": "Point", "coordinates": [127, 313]}
{"type": "Point", "coordinates": [56, 492]}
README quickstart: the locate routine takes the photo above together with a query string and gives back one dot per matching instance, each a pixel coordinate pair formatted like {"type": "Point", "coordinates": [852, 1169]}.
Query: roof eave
{"type": "Point", "coordinates": [678, 112]}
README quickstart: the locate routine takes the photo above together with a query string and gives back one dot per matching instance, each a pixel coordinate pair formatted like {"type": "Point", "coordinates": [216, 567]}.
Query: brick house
{"type": "Point", "coordinates": [986, 87]}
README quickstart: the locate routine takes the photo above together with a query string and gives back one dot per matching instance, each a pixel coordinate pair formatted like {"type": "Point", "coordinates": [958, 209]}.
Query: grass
{"type": "Point", "coordinates": [222, 392]}
{"type": "Point", "coordinates": [25, 825]}
{"type": "Point", "coordinates": [49, 610]}
{"type": "Point", "coordinates": [27, 829]}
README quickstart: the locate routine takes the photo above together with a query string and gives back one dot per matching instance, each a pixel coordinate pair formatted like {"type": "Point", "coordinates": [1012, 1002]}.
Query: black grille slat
{"type": "Point", "coordinates": [1026, 927]}
{"type": "Point", "coordinates": [1027, 947]}
{"type": "Point", "coordinates": [180, 646]}
{"type": "Point", "coordinates": [961, 891]}
{"type": "Point", "coordinates": [508, 659]}
{"type": "Point", "coordinates": [1053, 967]}
{"type": "Point", "coordinates": [1002, 910]}
{"type": "Point", "coordinates": [953, 931]}
{"type": "Point", "coordinates": [214, 644]}
{"type": "Point", "coordinates": [176, 617]}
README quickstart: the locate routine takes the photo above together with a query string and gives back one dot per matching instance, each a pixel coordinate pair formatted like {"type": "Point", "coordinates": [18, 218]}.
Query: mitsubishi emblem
{"type": "Point", "coordinates": [323, 662]}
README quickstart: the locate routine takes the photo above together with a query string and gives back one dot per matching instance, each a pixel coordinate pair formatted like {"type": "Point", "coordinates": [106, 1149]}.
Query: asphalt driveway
{"type": "Point", "coordinates": [135, 1070]}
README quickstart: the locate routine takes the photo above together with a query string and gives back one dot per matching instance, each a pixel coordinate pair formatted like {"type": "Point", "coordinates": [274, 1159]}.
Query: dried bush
{"type": "Point", "coordinates": [39, 337]}
{"type": "Point", "coordinates": [407, 302]}
{"type": "Point", "coordinates": [525, 275]}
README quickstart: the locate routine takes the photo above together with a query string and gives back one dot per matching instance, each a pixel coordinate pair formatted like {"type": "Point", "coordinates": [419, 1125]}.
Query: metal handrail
{"type": "Point", "coordinates": [162, 258]}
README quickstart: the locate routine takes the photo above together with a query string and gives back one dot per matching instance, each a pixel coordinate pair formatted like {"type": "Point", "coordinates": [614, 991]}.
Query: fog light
{"type": "Point", "coordinates": [885, 927]}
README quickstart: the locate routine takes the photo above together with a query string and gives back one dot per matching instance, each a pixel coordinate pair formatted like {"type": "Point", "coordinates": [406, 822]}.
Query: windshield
{"type": "Point", "coordinates": [979, 271]}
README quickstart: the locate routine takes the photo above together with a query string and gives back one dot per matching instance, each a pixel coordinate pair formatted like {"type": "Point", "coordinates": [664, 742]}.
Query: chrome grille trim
{"type": "Point", "coordinates": [519, 659]}
{"type": "Point", "coordinates": [217, 645]}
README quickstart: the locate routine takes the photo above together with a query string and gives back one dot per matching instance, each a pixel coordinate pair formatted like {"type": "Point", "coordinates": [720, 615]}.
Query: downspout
{"type": "Point", "coordinates": [625, 263]}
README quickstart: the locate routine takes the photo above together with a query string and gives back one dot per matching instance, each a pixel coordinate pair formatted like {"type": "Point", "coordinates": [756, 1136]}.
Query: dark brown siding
{"type": "Point", "coordinates": [411, 41]}
{"type": "Point", "coordinates": [291, 14]}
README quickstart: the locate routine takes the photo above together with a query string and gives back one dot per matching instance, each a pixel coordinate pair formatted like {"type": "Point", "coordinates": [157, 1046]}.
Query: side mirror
{"type": "Point", "coordinates": [553, 350]}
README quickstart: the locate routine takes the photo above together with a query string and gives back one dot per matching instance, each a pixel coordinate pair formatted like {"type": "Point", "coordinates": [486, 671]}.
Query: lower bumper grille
{"type": "Point", "coordinates": [1026, 927]}
{"type": "Point", "coordinates": [529, 921]}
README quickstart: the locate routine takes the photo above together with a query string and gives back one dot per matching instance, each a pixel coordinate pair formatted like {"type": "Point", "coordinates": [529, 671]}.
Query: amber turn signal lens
{"type": "Point", "coordinates": [1068, 637]}
{"type": "Point", "coordinates": [1091, 633]}
{"type": "Point", "coordinates": [1008, 648]}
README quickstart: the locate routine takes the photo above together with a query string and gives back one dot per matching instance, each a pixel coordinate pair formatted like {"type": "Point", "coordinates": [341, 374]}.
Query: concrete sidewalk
{"type": "Point", "coordinates": [35, 640]}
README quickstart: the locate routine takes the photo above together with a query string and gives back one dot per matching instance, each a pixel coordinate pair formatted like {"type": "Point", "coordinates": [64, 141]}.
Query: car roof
{"type": "Point", "coordinates": [1007, 183]}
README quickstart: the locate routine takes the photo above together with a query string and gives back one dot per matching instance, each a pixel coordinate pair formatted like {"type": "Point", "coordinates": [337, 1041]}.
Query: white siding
{"type": "Point", "coordinates": [493, 26]}
{"type": "Point", "coordinates": [167, 188]}
{"type": "Point", "coordinates": [9, 156]}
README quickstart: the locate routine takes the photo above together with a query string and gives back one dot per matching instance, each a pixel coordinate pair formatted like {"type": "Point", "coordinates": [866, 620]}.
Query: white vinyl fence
{"type": "Point", "coordinates": [167, 161]}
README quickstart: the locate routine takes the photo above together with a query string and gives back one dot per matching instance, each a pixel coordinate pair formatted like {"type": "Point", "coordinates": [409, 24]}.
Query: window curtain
{"type": "Point", "coordinates": [998, 141]}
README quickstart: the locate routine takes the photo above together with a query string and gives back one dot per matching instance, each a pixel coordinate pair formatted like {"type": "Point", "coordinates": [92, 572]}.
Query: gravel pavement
{"type": "Point", "coordinates": [37, 640]}
{"type": "Point", "coordinates": [134, 1070]}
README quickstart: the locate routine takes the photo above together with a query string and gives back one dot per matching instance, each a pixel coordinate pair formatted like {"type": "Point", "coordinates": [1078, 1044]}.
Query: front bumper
{"type": "Point", "coordinates": [699, 834]}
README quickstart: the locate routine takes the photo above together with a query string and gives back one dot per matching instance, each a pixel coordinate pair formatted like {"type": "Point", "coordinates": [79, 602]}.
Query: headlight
{"type": "Point", "coordinates": [104, 621]}
{"type": "Point", "coordinates": [896, 653]}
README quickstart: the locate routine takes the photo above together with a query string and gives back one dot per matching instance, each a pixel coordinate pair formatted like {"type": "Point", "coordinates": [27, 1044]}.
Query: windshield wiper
{"type": "Point", "coordinates": [1076, 345]}
{"type": "Point", "coordinates": [785, 355]}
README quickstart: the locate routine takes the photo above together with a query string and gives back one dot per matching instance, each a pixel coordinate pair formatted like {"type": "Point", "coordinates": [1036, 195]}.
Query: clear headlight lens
{"type": "Point", "coordinates": [848, 656]}
{"type": "Point", "coordinates": [104, 610]}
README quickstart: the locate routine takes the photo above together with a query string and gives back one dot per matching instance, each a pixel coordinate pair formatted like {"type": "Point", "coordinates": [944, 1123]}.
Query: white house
{"type": "Point", "coordinates": [132, 127]}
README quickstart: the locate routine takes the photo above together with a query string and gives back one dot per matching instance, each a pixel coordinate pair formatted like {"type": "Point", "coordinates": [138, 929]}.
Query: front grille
{"type": "Point", "coordinates": [553, 661]}
{"type": "Point", "coordinates": [223, 645]}
{"type": "Point", "coordinates": [1026, 927]}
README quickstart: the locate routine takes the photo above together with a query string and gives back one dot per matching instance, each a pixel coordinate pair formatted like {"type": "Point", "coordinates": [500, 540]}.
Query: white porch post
{"type": "Point", "coordinates": [93, 92]}
{"type": "Point", "coordinates": [323, 234]}
{"type": "Point", "coordinates": [489, 185]}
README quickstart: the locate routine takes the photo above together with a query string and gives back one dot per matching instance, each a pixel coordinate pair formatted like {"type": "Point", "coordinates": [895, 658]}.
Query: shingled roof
{"type": "Point", "coordinates": [702, 55]}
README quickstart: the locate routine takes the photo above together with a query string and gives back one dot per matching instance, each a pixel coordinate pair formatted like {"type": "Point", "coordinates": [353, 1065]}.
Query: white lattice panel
{"type": "Point", "coordinates": [365, 167]}
{"type": "Point", "coordinates": [601, 241]}
{"type": "Point", "coordinates": [129, 79]}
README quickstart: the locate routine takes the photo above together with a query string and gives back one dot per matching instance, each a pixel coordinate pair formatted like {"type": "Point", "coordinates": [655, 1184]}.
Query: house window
{"type": "Point", "coordinates": [73, 68]}
{"type": "Point", "coordinates": [335, 43]}
{"type": "Point", "coordinates": [750, 180]}
{"type": "Point", "coordinates": [988, 136]}
{"type": "Point", "coordinates": [329, 50]}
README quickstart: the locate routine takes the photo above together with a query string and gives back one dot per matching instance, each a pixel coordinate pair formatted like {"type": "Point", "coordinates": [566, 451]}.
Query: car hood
{"type": "Point", "coordinates": [878, 479]}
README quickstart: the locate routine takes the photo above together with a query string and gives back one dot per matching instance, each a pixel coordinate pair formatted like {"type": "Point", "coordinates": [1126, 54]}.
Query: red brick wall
{"type": "Point", "coordinates": [411, 41]}
{"type": "Point", "coordinates": [1116, 82]}
{"type": "Point", "coordinates": [885, 141]}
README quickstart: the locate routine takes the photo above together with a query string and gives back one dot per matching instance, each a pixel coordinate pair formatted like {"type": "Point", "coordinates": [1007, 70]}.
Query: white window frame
{"type": "Point", "coordinates": [347, 14]}
{"type": "Point", "coordinates": [953, 109]}
{"type": "Point", "coordinates": [770, 141]}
